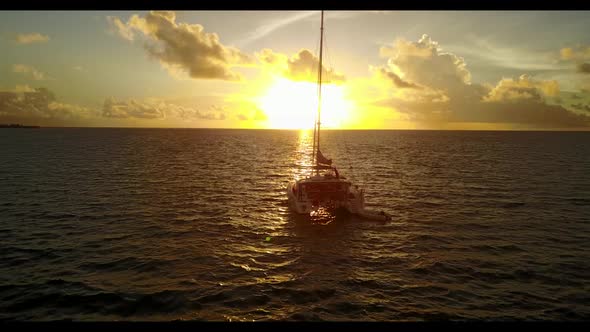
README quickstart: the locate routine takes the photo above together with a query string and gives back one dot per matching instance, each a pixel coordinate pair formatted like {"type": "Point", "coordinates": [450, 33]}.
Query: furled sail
{"type": "Point", "coordinates": [323, 160]}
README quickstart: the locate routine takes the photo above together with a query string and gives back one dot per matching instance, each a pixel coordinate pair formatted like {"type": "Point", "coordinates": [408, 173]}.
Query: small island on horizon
{"type": "Point", "coordinates": [16, 125]}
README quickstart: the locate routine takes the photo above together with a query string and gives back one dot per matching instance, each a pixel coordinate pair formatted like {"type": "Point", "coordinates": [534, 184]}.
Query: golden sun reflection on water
{"type": "Point", "coordinates": [300, 169]}
{"type": "Point", "coordinates": [300, 158]}
{"type": "Point", "coordinates": [303, 157]}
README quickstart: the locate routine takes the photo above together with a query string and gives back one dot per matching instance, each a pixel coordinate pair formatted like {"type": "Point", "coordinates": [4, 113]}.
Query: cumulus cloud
{"type": "Point", "coordinates": [24, 104]}
{"type": "Point", "coordinates": [523, 88]}
{"type": "Point", "coordinates": [28, 71]}
{"type": "Point", "coordinates": [532, 113]}
{"type": "Point", "coordinates": [268, 57]}
{"type": "Point", "coordinates": [581, 106]}
{"type": "Point", "coordinates": [425, 62]}
{"type": "Point", "coordinates": [394, 78]}
{"type": "Point", "coordinates": [578, 53]}
{"type": "Point", "coordinates": [420, 107]}
{"type": "Point", "coordinates": [156, 109]}
{"type": "Point", "coordinates": [250, 111]}
{"type": "Point", "coordinates": [130, 109]}
{"type": "Point", "coordinates": [584, 68]}
{"type": "Point", "coordinates": [448, 95]}
{"type": "Point", "coordinates": [302, 66]}
{"type": "Point", "coordinates": [23, 88]}
{"type": "Point", "coordinates": [38, 105]}
{"type": "Point", "coordinates": [29, 38]}
{"type": "Point", "coordinates": [121, 28]}
{"type": "Point", "coordinates": [183, 47]}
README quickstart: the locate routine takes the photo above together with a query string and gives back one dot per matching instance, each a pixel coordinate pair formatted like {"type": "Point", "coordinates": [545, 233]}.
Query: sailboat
{"type": "Point", "coordinates": [328, 190]}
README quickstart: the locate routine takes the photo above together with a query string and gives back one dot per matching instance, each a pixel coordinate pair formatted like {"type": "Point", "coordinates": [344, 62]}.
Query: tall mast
{"type": "Point", "coordinates": [317, 145]}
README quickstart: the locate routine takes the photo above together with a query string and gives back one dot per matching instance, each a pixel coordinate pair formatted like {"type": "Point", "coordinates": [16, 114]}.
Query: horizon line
{"type": "Point", "coordinates": [302, 129]}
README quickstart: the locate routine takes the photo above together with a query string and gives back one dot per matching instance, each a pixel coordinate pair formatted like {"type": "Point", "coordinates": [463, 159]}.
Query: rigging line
{"type": "Point", "coordinates": [320, 90]}
{"type": "Point", "coordinates": [318, 45]}
{"type": "Point", "coordinates": [314, 68]}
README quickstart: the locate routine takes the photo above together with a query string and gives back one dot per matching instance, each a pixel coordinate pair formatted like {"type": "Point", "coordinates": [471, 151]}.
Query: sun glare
{"type": "Point", "coordinates": [293, 105]}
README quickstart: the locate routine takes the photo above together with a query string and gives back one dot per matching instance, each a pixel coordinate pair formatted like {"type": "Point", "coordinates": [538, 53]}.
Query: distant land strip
{"type": "Point", "coordinates": [15, 125]}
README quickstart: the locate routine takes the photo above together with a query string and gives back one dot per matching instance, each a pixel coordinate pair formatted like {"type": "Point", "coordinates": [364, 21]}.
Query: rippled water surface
{"type": "Point", "coordinates": [157, 224]}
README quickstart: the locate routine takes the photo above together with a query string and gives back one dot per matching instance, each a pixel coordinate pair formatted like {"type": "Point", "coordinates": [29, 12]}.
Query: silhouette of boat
{"type": "Point", "coordinates": [329, 190]}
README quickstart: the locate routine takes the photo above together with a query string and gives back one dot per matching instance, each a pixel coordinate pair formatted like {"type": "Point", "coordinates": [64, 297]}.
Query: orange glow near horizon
{"type": "Point", "coordinates": [293, 105]}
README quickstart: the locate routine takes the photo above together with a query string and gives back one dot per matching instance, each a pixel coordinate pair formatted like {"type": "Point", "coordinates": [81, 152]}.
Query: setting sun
{"type": "Point", "coordinates": [166, 166]}
{"type": "Point", "coordinates": [293, 105]}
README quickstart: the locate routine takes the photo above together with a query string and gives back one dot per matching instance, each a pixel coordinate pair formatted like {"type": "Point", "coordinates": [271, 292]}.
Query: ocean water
{"type": "Point", "coordinates": [193, 224]}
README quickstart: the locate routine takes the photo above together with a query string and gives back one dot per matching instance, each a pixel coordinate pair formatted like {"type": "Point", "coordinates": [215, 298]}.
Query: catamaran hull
{"type": "Point", "coordinates": [354, 205]}
{"type": "Point", "coordinates": [297, 205]}
{"type": "Point", "coordinates": [304, 205]}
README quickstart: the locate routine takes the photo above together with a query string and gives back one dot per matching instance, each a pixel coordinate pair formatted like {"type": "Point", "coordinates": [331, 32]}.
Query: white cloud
{"type": "Point", "coordinates": [447, 94]}
{"type": "Point", "coordinates": [523, 88]}
{"type": "Point", "coordinates": [29, 71]}
{"type": "Point", "coordinates": [24, 104]}
{"type": "Point", "coordinates": [302, 66]}
{"type": "Point", "coordinates": [29, 38]}
{"type": "Point", "coordinates": [577, 53]}
{"type": "Point", "coordinates": [273, 25]}
{"type": "Point", "coordinates": [153, 108]}
{"type": "Point", "coordinates": [183, 47]}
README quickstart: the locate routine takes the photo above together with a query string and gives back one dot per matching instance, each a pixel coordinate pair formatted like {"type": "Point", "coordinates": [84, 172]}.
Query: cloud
{"type": "Point", "coordinates": [267, 56]}
{"type": "Point", "coordinates": [581, 106]}
{"type": "Point", "coordinates": [420, 107]}
{"type": "Point", "coordinates": [157, 109]}
{"type": "Point", "coordinates": [508, 59]}
{"type": "Point", "coordinates": [578, 53]}
{"type": "Point", "coordinates": [424, 48]}
{"type": "Point", "coordinates": [183, 47]}
{"type": "Point", "coordinates": [130, 109]}
{"type": "Point", "coordinates": [24, 104]}
{"type": "Point", "coordinates": [270, 27]}
{"type": "Point", "coordinates": [38, 105]}
{"type": "Point", "coordinates": [394, 78]}
{"type": "Point", "coordinates": [30, 38]}
{"type": "Point", "coordinates": [273, 25]}
{"type": "Point", "coordinates": [424, 63]}
{"type": "Point", "coordinates": [584, 68]}
{"type": "Point", "coordinates": [250, 111]}
{"type": "Point", "coordinates": [448, 95]}
{"type": "Point", "coordinates": [532, 113]}
{"type": "Point", "coordinates": [302, 66]}
{"type": "Point", "coordinates": [121, 28]}
{"type": "Point", "coordinates": [524, 88]}
{"type": "Point", "coordinates": [29, 71]}
{"type": "Point", "coordinates": [23, 88]}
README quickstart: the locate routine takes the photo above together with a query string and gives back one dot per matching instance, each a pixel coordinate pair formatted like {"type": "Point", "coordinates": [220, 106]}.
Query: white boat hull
{"type": "Point", "coordinates": [354, 202]}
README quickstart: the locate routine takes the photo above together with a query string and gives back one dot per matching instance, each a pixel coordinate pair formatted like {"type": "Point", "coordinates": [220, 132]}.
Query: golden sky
{"type": "Point", "coordinates": [248, 69]}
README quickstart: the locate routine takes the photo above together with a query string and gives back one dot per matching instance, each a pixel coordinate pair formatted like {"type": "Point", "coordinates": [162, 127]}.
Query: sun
{"type": "Point", "coordinates": [293, 105]}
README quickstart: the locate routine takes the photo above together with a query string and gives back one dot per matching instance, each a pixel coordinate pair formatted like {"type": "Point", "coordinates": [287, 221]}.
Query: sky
{"type": "Point", "coordinates": [458, 70]}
